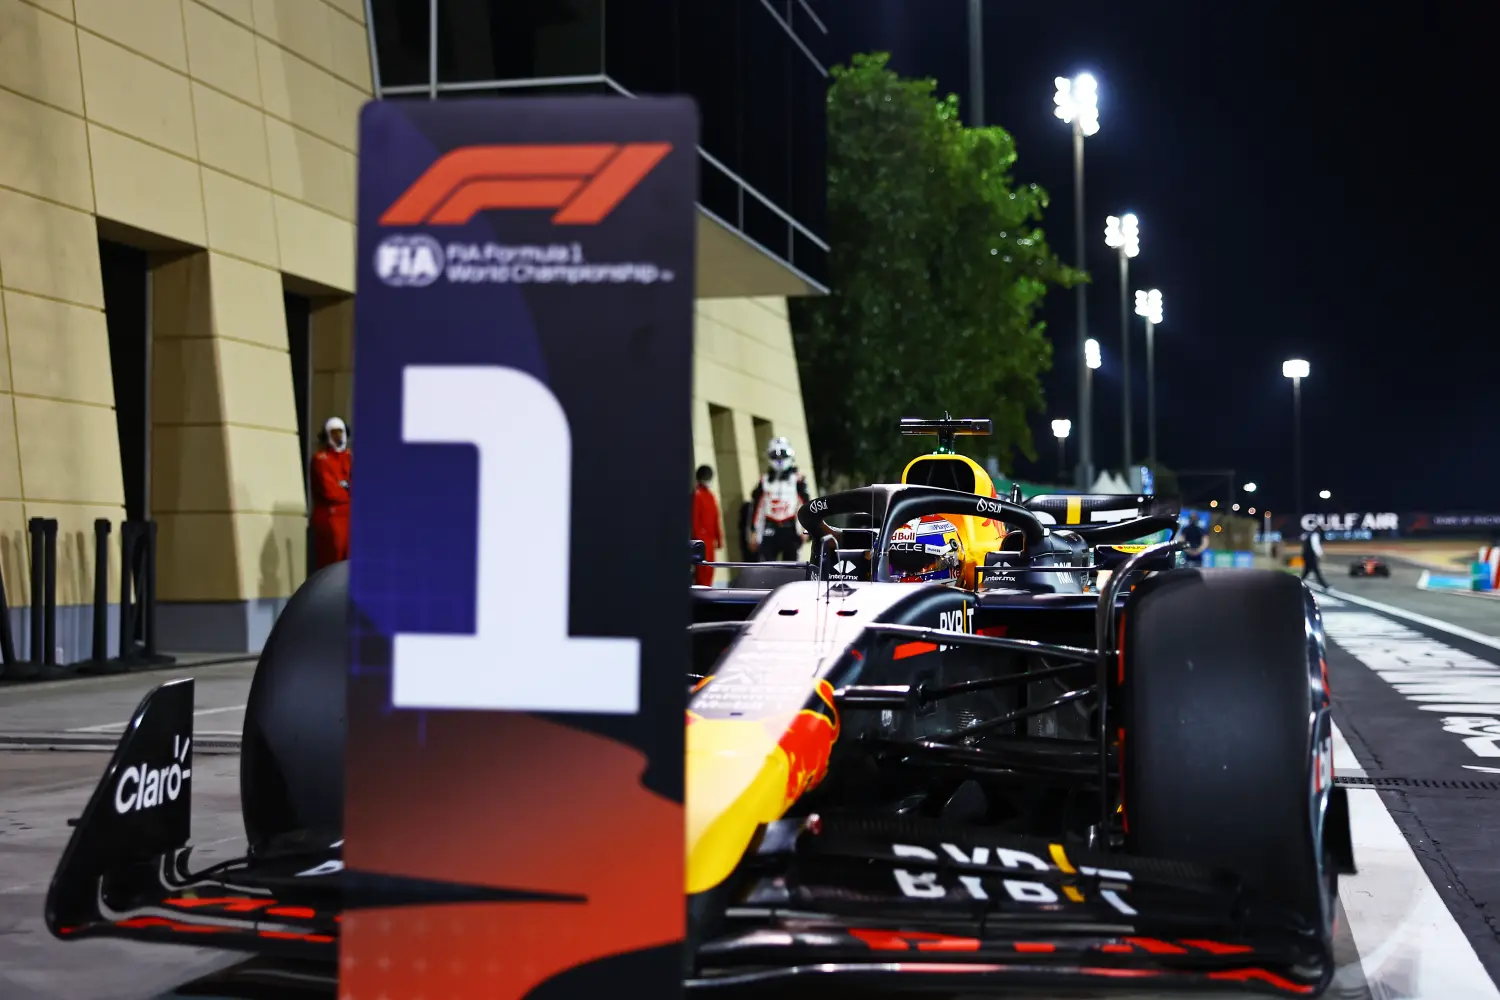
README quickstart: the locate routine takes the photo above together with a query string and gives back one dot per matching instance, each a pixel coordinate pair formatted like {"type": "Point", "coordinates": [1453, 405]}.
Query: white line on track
{"type": "Point", "coordinates": [1410, 946]}
{"type": "Point", "coordinates": [1412, 616]}
{"type": "Point", "coordinates": [108, 726]}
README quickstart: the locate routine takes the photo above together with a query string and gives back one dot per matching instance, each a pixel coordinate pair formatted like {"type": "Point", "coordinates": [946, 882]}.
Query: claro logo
{"type": "Point", "coordinates": [142, 786]}
{"type": "Point", "coordinates": [583, 182]}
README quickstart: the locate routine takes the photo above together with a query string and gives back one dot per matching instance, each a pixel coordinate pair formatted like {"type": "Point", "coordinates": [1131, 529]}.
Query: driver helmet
{"type": "Point", "coordinates": [781, 456]}
{"type": "Point", "coordinates": [925, 550]}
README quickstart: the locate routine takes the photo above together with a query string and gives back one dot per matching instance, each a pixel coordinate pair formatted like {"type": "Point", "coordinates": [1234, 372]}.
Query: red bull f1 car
{"type": "Point", "coordinates": [973, 745]}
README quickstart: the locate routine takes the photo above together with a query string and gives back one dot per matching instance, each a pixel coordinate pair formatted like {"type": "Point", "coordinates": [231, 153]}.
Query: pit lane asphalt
{"type": "Point", "coordinates": [1420, 921]}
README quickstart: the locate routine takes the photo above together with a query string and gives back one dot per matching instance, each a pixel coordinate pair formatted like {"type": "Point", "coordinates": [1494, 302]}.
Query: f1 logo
{"type": "Point", "coordinates": [584, 182]}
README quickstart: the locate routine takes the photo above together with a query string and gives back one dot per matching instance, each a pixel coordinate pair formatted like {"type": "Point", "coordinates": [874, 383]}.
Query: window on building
{"type": "Point", "coordinates": [127, 308]}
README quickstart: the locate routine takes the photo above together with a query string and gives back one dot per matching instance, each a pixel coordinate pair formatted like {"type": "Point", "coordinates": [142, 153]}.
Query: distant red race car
{"type": "Point", "coordinates": [1369, 566]}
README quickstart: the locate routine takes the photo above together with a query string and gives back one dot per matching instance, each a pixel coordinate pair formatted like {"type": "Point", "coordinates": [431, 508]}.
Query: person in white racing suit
{"type": "Point", "coordinates": [775, 534]}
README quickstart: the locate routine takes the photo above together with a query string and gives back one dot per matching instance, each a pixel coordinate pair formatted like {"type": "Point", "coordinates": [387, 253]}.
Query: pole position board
{"type": "Point", "coordinates": [523, 369]}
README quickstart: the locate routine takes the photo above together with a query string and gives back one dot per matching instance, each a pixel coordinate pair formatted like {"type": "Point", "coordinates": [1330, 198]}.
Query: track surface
{"type": "Point", "coordinates": [1414, 702]}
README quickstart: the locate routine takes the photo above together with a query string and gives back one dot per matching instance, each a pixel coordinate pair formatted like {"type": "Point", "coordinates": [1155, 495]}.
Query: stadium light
{"type": "Point", "coordinates": [1325, 495]}
{"type": "Point", "coordinates": [1077, 103]}
{"type": "Point", "coordinates": [1123, 233]}
{"type": "Point", "coordinates": [1148, 305]}
{"type": "Point", "coordinates": [1091, 353]}
{"type": "Point", "coordinates": [1060, 430]}
{"type": "Point", "coordinates": [1249, 487]}
{"type": "Point", "coordinates": [1296, 369]}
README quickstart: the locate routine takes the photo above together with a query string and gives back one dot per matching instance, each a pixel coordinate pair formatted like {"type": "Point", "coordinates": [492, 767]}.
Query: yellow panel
{"type": "Point", "coordinates": [231, 135]}
{"type": "Point", "coordinates": [151, 27]}
{"type": "Point", "coordinates": [62, 8]}
{"type": "Point", "coordinates": [4, 355]}
{"type": "Point", "coordinates": [49, 250]}
{"type": "Point", "coordinates": [730, 266]}
{"type": "Point", "coordinates": [311, 169]}
{"type": "Point", "coordinates": [257, 386]}
{"type": "Point", "coordinates": [272, 553]}
{"type": "Point", "coordinates": [307, 96]}
{"type": "Point", "coordinates": [248, 303]}
{"type": "Point", "coordinates": [180, 298]}
{"type": "Point", "coordinates": [146, 187]}
{"type": "Point", "coordinates": [351, 9]}
{"type": "Point", "coordinates": [131, 94]}
{"type": "Point", "coordinates": [13, 556]}
{"type": "Point", "coordinates": [351, 50]}
{"type": "Point", "coordinates": [239, 10]}
{"type": "Point", "coordinates": [44, 152]}
{"type": "Point", "coordinates": [196, 558]}
{"type": "Point", "coordinates": [185, 382]}
{"type": "Point", "coordinates": [69, 452]}
{"type": "Point", "coordinates": [75, 548]}
{"type": "Point", "coordinates": [240, 220]}
{"type": "Point", "coordinates": [10, 459]}
{"type": "Point", "coordinates": [332, 328]}
{"type": "Point", "coordinates": [39, 56]}
{"type": "Point", "coordinates": [315, 245]}
{"type": "Point", "coordinates": [189, 470]}
{"type": "Point", "coordinates": [222, 53]}
{"type": "Point", "coordinates": [299, 25]}
{"type": "Point", "coordinates": [266, 471]}
{"type": "Point", "coordinates": [58, 350]}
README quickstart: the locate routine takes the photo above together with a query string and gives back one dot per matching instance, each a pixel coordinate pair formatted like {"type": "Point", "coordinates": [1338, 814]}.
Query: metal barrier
{"type": "Point", "coordinates": [137, 646]}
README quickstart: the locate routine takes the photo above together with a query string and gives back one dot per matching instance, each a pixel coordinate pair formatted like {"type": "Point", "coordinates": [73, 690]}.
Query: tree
{"type": "Point", "coordinates": [936, 268]}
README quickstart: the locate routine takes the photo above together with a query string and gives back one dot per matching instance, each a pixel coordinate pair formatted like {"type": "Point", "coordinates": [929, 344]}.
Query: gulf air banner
{"type": "Point", "coordinates": [523, 361]}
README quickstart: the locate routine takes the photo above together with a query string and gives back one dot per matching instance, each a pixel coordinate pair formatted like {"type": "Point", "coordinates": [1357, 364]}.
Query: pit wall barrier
{"type": "Point", "coordinates": [121, 637]}
{"type": "Point", "coordinates": [1219, 559]}
{"type": "Point", "coordinates": [1486, 570]}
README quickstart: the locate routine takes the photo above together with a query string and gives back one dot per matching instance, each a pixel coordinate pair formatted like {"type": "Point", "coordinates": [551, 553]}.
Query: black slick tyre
{"type": "Point", "coordinates": [292, 750]}
{"type": "Point", "coordinates": [1223, 708]}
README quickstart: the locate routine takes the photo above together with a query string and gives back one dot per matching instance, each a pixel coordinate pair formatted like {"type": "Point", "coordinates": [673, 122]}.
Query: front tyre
{"type": "Point", "coordinates": [1227, 733]}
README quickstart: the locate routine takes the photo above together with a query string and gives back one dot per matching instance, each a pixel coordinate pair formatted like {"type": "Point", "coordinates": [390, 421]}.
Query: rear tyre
{"type": "Point", "coordinates": [292, 751]}
{"type": "Point", "coordinates": [1221, 760]}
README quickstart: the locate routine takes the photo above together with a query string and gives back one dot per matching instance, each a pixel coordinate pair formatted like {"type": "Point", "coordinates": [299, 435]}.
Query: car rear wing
{"type": "Point", "coordinates": [1086, 509]}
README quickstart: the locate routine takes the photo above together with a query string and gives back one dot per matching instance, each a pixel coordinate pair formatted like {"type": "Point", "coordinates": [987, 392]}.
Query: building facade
{"type": "Point", "coordinates": [177, 186]}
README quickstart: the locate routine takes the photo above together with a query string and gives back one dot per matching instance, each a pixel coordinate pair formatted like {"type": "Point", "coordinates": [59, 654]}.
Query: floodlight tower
{"type": "Point", "coordinates": [1148, 304]}
{"type": "Point", "coordinates": [1297, 369]}
{"type": "Point", "coordinates": [1123, 235]}
{"type": "Point", "coordinates": [1077, 103]}
{"type": "Point", "coordinates": [1060, 430]}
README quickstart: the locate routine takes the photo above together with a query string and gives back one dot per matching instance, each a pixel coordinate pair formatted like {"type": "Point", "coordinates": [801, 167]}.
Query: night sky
{"type": "Point", "coordinates": [1311, 182]}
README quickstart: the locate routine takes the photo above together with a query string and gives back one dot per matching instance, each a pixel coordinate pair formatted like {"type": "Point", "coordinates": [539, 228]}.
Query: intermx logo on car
{"type": "Point", "coordinates": [146, 786]}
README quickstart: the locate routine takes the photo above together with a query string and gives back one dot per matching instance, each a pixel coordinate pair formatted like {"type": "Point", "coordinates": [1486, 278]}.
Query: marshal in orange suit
{"type": "Point", "coordinates": [707, 526]}
{"type": "Point", "coordinates": [330, 494]}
